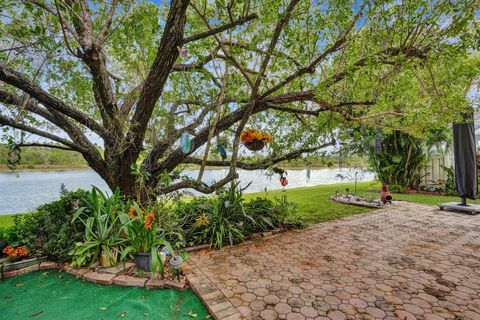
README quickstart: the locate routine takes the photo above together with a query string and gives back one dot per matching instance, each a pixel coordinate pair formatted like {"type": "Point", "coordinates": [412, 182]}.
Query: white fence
{"type": "Point", "coordinates": [433, 171]}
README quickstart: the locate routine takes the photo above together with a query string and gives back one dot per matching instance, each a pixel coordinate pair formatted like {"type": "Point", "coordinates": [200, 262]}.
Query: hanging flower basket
{"type": "Point", "coordinates": [255, 140]}
{"type": "Point", "coordinates": [255, 145]}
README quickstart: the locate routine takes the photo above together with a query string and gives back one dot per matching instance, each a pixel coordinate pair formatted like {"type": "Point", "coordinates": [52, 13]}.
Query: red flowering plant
{"type": "Point", "coordinates": [15, 253]}
{"type": "Point", "coordinates": [145, 235]}
{"type": "Point", "coordinates": [12, 254]}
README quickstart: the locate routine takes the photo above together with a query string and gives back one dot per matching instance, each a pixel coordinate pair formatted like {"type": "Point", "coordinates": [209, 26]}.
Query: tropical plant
{"type": "Point", "coordinates": [398, 161]}
{"type": "Point", "coordinates": [140, 74]}
{"type": "Point", "coordinates": [226, 220]}
{"type": "Point", "coordinates": [449, 183]}
{"type": "Point", "coordinates": [145, 236]}
{"type": "Point", "coordinates": [101, 216]}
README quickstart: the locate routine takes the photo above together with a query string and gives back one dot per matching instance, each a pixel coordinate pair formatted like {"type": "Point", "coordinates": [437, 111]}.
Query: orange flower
{"type": "Point", "coordinates": [202, 220]}
{"type": "Point", "coordinates": [132, 212]}
{"type": "Point", "coordinates": [149, 220]}
{"type": "Point", "coordinates": [21, 251]}
{"type": "Point", "coordinates": [9, 251]}
{"type": "Point", "coordinates": [250, 135]}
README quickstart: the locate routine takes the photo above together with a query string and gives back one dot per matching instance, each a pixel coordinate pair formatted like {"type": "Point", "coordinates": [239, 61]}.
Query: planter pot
{"type": "Point", "coordinates": [105, 261]}
{"type": "Point", "coordinates": [3, 244]}
{"type": "Point", "coordinates": [255, 145]}
{"type": "Point", "coordinates": [143, 261]}
{"type": "Point", "coordinates": [24, 263]}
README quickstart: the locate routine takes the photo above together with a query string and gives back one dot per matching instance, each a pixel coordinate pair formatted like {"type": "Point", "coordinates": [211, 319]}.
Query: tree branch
{"type": "Point", "coordinates": [234, 61]}
{"type": "Point", "coordinates": [6, 121]}
{"type": "Point", "coordinates": [46, 145]}
{"type": "Point", "coordinates": [167, 54]}
{"type": "Point", "coordinates": [266, 163]}
{"type": "Point", "coordinates": [273, 42]}
{"type": "Point", "coordinates": [106, 27]}
{"type": "Point", "coordinates": [221, 28]}
{"type": "Point", "coordinates": [312, 66]}
{"type": "Point", "coordinates": [87, 149]}
{"type": "Point", "coordinates": [203, 188]}
{"type": "Point", "coordinates": [50, 102]}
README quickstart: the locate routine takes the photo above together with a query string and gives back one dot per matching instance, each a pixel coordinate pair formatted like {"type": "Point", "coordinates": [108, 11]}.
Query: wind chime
{"type": "Point", "coordinates": [385, 195]}
{"type": "Point", "coordinates": [308, 172]}
{"type": "Point", "coordinates": [13, 154]}
{"type": "Point", "coordinates": [186, 143]}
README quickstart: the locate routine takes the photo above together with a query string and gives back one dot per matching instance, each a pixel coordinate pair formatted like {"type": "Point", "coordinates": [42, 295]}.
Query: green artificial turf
{"type": "Point", "coordinates": [55, 295]}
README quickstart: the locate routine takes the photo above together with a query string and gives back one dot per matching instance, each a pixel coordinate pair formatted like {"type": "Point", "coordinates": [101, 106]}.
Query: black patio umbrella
{"type": "Point", "coordinates": [465, 158]}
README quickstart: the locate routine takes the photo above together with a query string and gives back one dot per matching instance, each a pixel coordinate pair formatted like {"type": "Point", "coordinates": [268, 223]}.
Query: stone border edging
{"type": "Point", "coordinates": [255, 236]}
{"type": "Point", "coordinates": [216, 302]}
{"type": "Point", "coordinates": [358, 204]}
{"type": "Point", "coordinates": [101, 278]}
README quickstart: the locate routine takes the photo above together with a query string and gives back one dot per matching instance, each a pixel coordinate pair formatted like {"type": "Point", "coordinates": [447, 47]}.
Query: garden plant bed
{"type": "Point", "coordinates": [431, 193]}
{"type": "Point", "coordinates": [357, 201]}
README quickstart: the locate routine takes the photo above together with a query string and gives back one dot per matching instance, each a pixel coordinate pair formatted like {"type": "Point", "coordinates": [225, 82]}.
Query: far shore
{"type": "Point", "coordinates": [69, 167]}
{"type": "Point", "coordinates": [42, 168]}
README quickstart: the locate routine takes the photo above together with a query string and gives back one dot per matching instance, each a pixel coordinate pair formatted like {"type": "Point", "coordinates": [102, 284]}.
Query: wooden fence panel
{"type": "Point", "coordinates": [432, 171]}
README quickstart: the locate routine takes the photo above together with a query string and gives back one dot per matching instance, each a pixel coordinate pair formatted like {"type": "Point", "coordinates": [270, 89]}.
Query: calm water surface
{"type": "Point", "coordinates": [24, 191]}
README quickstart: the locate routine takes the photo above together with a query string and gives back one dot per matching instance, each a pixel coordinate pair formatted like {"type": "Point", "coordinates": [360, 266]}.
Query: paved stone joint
{"type": "Point", "coordinates": [407, 261]}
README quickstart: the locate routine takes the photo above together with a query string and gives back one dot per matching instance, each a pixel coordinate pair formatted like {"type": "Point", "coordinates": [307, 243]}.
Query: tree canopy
{"type": "Point", "coordinates": [137, 75]}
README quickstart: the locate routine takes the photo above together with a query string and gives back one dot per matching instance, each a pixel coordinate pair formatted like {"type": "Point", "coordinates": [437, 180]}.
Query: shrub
{"type": "Point", "coordinates": [49, 230]}
{"type": "Point", "coordinates": [228, 218]}
{"type": "Point", "coordinates": [9, 235]}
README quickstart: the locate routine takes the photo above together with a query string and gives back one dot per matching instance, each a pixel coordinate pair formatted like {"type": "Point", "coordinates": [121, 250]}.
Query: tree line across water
{"type": "Point", "coordinates": [36, 157]}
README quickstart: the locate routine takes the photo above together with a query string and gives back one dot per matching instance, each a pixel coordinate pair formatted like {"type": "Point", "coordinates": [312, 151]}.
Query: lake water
{"type": "Point", "coordinates": [24, 191]}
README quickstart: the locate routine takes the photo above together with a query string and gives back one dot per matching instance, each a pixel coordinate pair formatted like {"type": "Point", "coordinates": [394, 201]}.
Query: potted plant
{"type": "Point", "coordinates": [145, 239]}
{"type": "Point", "coordinates": [255, 140]}
{"type": "Point", "coordinates": [12, 255]}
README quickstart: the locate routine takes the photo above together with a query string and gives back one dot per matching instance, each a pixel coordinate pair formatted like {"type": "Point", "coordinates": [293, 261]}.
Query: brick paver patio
{"type": "Point", "coordinates": [408, 261]}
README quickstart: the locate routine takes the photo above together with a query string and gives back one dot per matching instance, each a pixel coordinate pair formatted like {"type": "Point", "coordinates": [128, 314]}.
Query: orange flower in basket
{"type": "Point", "coordinates": [149, 220]}
{"type": "Point", "coordinates": [21, 251]}
{"type": "Point", "coordinates": [10, 251]}
{"type": "Point", "coordinates": [251, 135]}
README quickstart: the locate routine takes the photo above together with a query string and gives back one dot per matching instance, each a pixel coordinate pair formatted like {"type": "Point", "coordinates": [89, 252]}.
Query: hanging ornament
{"type": "Point", "coordinates": [283, 174]}
{"type": "Point", "coordinates": [186, 143]}
{"type": "Point", "coordinates": [13, 154]}
{"type": "Point", "coordinates": [280, 171]}
{"type": "Point", "coordinates": [183, 51]}
{"type": "Point", "coordinates": [223, 152]}
{"type": "Point", "coordinates": [378, 143]}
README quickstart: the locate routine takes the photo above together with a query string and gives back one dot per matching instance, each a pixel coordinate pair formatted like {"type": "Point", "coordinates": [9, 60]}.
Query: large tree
{"type": "Point", "coordinates": [136, 75]}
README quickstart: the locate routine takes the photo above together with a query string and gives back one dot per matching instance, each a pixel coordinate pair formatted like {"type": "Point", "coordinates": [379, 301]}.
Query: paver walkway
{"type": "Point", "coordinates": [409, 261]}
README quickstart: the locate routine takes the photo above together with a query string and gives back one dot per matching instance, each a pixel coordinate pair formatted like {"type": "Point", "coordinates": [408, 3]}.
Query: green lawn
{"type": "Point", "coordinates": [315, 205]}
{"type": "Point", "coordinates": [6, 221]}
